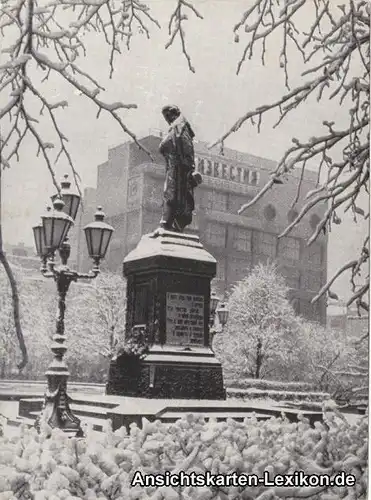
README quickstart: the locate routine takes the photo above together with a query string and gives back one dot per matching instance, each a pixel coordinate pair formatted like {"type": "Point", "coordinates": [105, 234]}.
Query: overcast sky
{"type": "Point", "coordinates": [150, 76]}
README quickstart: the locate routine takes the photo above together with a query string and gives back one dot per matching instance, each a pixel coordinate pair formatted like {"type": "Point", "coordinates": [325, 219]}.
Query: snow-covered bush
{"type": "Point", "coordinates": [261, 328]}
{"type": "Point", "coordinates": [267, 385]}
{"type": "Point", "coordinates": [35, 466]}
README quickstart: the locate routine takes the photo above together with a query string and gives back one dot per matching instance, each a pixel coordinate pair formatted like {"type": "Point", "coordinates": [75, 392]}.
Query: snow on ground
{"type": "Point", "coordinates": [9, 410]}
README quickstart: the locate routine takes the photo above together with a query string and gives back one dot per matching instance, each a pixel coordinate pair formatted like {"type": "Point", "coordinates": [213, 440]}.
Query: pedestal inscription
{"type": "Point", "coordinates": [184, 319]}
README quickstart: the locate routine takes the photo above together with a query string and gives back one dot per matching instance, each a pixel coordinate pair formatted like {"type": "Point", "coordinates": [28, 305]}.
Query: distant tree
{"type": "Point", "coordinates": [37, 316]}
{"type": "Point", "coordinates": [265, 339]}
{"type": "Point", "coordinates": [95, 323]}
{"type": "Point", "coordinates": [95, 319]}
{"type": "Point", "coordinates": [110, 294]}
{"type": "Point", "coordinates": [334, 44]}
{"type": "Point", "coordinates": [319, 350]}
{"type": "Point", "coordinates": [261, 325]}
{"type": "Point", "coordinates": [333, 360]}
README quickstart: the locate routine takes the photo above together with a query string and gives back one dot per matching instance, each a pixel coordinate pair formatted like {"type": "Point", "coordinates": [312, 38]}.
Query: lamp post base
{"type": "Point", "coordinates": [56, 411]}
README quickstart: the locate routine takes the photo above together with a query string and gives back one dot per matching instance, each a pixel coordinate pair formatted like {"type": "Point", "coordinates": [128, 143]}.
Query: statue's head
{"type": "Point", "coordinates": [170, 113]}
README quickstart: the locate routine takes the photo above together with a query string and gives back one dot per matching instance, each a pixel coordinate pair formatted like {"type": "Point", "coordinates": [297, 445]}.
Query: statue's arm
{"type": "Point", "coordinates": [167, 145]}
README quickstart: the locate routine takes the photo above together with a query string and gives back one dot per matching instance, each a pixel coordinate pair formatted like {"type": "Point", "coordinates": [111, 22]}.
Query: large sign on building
{"type": "Point", "coordinates": [227, 171]}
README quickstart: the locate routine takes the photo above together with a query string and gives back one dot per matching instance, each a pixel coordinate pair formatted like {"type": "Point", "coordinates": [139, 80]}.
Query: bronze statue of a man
{"type": "Point", "coordinates": [181, 178]}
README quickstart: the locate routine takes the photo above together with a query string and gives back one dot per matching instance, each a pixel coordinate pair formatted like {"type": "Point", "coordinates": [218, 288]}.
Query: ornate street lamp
{"type": "Point", "coordinates": [70, 199]}
{"type": "Point", "coordinates": [41, 250]}
{"type": "Point", "coordinates": [50, 236]}
{"type": "Point", "coordinates": [223, 314]}
{"type": "Point", "coordinates": [98, 235]}
{"type": "Point", "coordinates": [214, 301]}
{"type": "Point", "coordinates": [56, 224]}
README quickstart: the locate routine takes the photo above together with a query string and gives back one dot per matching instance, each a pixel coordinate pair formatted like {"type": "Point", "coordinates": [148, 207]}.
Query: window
{"type": "Point", "coordinates": [236, 201]}
{"type": "Point", "coordinates": [135, 192]}
{"type": "Point", "coordinates": [242, 239]}
{"type": "Point", "coordinates": [215, 234]}
{"type": "Point", "coordinates": [217, 169]}
{"type": "Point", "coordinates": [291, 216]}
{"type": "Point", "coordinates": [245, 175]}
{"type": "Point", "coordinates": [314, 254]}
{"type": "Point", "coordinates": [133, 227]}
{"type": "Point", "coordinates": [133, 186]}
{"type": "Point", "coordinates": [312, 281]}
{"type": "Point", "coordinates": [270, 212]}
{"type": "Point", "coordinates": [153, 191]}
{"type": "Point", "coordinates": [289, 248]}
{"type": "Point", "coordinates": [220, 270]}
{"type": "Point", "coordinates": [218, 283]}
{"type": "Point", "coordinates": [215, 200]}
{"type": "Point", "coordinates": [306, 309]}
{"type": "Point", "coordinates": [208, 167]}
{"type": "Point", "coordinates": [292, 277]}
{"type": "Point", "coordinates": [151, 221]}
{"type": "Point", "coordinates": [314, 221]}
{"type": "Point", "coordinates": [310, 311]}
{"type": "Point", "coordinates": [237, 269]}
{"type": "Point", "coordinates": [265, 244]}
{"type": "Point", "coordinates": [200, 164]}
{"type": "Point", "coordinates": [254, 178]}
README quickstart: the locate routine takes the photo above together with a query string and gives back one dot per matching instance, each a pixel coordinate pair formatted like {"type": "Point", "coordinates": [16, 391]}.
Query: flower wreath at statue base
{"type": "Point", "coordinates": [130, 353]}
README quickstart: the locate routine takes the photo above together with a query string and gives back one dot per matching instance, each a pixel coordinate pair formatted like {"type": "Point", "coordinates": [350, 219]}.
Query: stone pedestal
{"type": "Point", "coordinates": [168, 289]}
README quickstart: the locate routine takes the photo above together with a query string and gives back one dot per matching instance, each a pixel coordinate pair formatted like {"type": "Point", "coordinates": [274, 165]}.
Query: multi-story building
{"type": "Point", "coordinates": [130, 186]}
{"type": "Point", "coordinates": [348, 319]}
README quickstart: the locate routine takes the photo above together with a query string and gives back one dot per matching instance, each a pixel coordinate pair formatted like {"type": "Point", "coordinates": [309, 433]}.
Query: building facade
{"type": "Point", "coordinates": [348, 319]}
{"type": "Point", "coordinates": [130, 186]}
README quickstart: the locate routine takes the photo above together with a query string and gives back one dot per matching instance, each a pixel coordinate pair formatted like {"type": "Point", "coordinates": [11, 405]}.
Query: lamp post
{"type": "Point", "coordinates": [220, 312]}
{"type": "Point", "coordinates": [51, 236]}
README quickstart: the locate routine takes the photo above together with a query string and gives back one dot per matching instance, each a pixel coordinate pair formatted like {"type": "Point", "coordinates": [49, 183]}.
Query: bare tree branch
{"type": "Point", "coordinates": [176, 23]}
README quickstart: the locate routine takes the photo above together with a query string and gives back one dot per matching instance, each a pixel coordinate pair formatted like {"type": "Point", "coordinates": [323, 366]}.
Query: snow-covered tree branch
{"type": "Point", "coordinates": [176, 28]}
{"type": "Point", "coordinates": [335, 50]}
{"type": "Point", "coordinates": [45, 40]}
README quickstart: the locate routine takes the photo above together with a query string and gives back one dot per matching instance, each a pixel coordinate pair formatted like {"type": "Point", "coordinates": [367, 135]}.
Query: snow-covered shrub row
{"type": "Point", "coordinates": [264, 384]}
{"type": "Point", "coordinates": [248, 394]}
{"type": "Point", "coordinates": [55, 467]}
